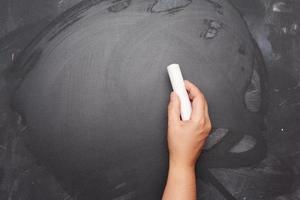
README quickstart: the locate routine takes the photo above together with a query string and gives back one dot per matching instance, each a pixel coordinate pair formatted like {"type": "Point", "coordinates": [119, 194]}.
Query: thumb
{"type": "Point", "coordinates": [174, 108]}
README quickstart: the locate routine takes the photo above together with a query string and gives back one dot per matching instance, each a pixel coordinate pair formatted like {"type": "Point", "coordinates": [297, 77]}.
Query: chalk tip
{"type": "Point", "coordinates": [172, 66]}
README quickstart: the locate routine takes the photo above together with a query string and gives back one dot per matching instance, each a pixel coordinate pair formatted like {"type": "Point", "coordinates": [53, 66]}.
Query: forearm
{"type": "Point", "coordinates": [181, 183]}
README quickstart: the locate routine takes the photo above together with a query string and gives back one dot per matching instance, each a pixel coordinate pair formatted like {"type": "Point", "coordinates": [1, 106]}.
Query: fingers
{"type": "Point", "coordinates": [193, 91]}
{"type": "Point", "coordinates": [198, 109]}
{"type": "Point", "coordinates": [199, 104]}
{"type": "Point", "coordinates": [174, 109]}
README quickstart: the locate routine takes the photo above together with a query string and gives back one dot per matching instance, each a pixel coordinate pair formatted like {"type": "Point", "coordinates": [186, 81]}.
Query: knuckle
{"type": "Point", "coordinates": [198, 126]}
{"type": "Point", "coordinates": [201, 99]}
{"type": "Point", "coordinates": [207, 130]}
{"type": "Point", "coordinates": [201, 122]}
{"type": "Point", "coordinates": [198, 96]}
{"type": "Point", "coordinates": [209, 126]}
{"type": "Point", "coordinates": [200, 93]}
{"type": "Point", "coordinates": [204, 127]}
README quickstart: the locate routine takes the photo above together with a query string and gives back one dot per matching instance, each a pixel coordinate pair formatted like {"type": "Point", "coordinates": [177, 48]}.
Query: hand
{"type": "Point", "coordinates": [186, 138]}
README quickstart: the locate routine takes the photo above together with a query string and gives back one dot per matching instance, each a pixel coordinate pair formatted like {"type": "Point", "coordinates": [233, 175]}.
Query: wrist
{"type": "Point", "coordinates": [181, 173]}
{"type": "Point", "coordinates": [180, 165]}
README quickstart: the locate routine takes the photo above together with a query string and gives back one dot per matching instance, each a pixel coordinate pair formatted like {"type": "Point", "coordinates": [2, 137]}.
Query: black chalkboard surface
{"type": "Point", "coordinates": [92, 89]}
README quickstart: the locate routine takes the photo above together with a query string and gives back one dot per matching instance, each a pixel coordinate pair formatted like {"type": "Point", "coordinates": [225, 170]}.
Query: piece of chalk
{"type": "Point", "coordinates": [179, 88]}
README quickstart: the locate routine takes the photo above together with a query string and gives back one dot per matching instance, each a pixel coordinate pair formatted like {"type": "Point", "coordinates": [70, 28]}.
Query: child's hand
{"type": "Point", "coordinates": [186, 138]}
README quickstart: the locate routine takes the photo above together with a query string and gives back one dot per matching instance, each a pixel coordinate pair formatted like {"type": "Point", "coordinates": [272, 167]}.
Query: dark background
{"type": "Point", "coordinates": [274, 25]}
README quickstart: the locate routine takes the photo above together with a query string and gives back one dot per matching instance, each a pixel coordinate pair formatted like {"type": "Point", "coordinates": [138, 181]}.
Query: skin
{"type": "Point", "coordinates": [185, 142]}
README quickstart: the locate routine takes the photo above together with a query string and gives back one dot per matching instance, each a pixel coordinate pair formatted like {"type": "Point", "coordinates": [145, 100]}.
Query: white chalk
{"type": "Point", "coordinates": [179, 88]}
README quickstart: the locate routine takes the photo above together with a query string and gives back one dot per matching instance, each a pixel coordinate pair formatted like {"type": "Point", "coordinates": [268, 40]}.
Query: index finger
{"type": "Point", "coordinates": [193, 90]}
